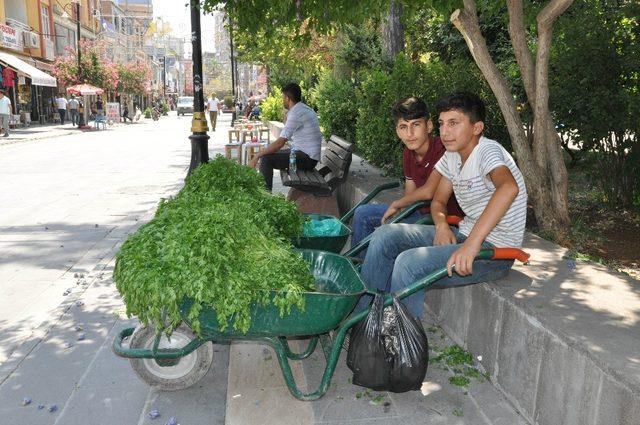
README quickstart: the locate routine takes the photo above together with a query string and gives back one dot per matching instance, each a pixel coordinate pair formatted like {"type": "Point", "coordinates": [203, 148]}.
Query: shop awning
{"type": "Point", "coordinates": [38, 78]}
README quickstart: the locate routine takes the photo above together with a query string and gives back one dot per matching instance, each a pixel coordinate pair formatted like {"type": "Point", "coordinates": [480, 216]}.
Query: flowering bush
{"type": "Point", "coordinates": [96, 69]}
{"type": "Point", "coordinates": [99, 71]}
{"type": "Point", "coordinates": [135, 78]}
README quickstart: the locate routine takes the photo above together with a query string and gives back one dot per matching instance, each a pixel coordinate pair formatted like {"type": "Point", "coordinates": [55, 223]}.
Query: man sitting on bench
{"type": "Point", "coordinates": [301, 128]}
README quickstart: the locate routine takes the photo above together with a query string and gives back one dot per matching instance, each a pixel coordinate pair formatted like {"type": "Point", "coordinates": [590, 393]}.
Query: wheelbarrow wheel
{"type": "Point", "coordinates": [176, 374]}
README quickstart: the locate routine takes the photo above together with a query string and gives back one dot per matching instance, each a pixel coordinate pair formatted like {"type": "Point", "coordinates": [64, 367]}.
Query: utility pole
{"type": "Point", "coordinates": [199, 138]}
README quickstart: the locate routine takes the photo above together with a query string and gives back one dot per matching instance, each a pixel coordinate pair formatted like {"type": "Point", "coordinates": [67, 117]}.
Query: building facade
{"type": "Point", "coordinates": [34, 32]}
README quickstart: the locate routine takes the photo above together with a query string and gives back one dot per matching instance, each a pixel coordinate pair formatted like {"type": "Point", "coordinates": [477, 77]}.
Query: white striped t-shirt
{"type": "Point", "coordinates": [473, 189]}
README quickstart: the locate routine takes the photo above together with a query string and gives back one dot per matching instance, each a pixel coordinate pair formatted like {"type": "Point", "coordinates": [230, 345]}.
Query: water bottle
{"type": "Point", "coordinates": [292, 161]}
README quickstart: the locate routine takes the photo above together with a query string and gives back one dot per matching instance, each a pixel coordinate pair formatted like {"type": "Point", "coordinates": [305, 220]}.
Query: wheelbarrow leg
{"type": "Point", "coordinates": [280, 348]}
{"type": "Point", "coordinates": [311, 347]}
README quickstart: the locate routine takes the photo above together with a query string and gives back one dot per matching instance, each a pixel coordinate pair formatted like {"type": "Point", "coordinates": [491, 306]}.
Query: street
{"type": "Point", "coordinates": [66, 204]}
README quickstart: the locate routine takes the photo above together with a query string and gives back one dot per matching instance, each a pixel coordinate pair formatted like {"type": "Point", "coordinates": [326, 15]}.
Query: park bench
{"type": "Point", "coordinates": [329, 173]}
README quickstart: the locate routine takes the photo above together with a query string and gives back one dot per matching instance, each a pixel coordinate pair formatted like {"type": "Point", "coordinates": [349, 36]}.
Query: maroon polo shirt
{"type": "Point", "coordinates": [419, 172]}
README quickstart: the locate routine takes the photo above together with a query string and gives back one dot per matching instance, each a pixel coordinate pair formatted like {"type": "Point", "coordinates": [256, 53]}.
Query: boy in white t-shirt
{"type": "Point", "coordinates": [490, 190]}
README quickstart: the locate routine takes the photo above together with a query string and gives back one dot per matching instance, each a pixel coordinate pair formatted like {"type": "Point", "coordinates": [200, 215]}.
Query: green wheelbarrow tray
{"type": "Point", "coordinates": [336, 303]}
{"type": "Point", "coordinates": [335, 243]}
{"type": "Point", "coordinates": [338, 289]}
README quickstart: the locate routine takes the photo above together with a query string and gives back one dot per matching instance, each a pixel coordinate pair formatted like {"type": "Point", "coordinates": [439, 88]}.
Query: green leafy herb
{"type": "Point", "coordinates": [222, 242]}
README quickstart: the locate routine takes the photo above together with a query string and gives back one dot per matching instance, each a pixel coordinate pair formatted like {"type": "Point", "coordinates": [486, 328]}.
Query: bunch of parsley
{"type": "Point", "coordinates": [223, 241]}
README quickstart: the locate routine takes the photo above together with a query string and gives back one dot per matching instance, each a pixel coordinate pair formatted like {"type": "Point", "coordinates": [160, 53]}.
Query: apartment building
{"type": "Point", "coordinates": [32, 34]}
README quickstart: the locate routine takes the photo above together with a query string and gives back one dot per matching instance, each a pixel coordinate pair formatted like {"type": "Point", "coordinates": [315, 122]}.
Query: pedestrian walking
{"type": "Point", "coordinates": [5, 113]}
{"type": "Point", "coordinates": [99, 106]}
{"type": "Point", "coordinates": [73, 105]}
{"type": "Point", "coordinates": [125, 114]}
{"type": "Point", "coordinates": [61, 104]}
{"type": "Point", "coordinates": [212, 107]}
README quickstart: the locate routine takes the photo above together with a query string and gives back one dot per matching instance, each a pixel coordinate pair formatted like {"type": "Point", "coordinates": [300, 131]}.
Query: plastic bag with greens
{"type": "Point", "coordinates": [325, 227]}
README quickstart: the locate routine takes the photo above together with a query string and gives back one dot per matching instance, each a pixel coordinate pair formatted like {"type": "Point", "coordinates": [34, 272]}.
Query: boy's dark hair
{"type": "Point", "coordinates": [467, 103]}
{"type": "Point", "coordinates": [293, 92]}
{"type": "Point", "coordinates": [410, 108]}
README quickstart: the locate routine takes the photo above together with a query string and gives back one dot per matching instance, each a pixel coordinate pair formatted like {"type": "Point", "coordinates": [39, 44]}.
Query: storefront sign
{"type": "Point", "coordinates": [10, 37]}
{"type": "Point", "coordinates": [113, 112]}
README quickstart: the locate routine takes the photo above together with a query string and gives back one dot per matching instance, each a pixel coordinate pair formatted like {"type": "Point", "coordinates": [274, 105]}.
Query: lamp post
{"type": "Point", "coordinates": [199, 138]}
{"type": "Point", "coordinates": [79, 55]}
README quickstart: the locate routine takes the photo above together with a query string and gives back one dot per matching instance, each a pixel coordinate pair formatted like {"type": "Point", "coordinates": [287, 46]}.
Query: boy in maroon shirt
{"type": "Point", "coordinates": [422, 152]}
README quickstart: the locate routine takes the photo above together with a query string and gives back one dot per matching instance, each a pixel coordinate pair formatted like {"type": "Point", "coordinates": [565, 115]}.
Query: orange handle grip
{"type": "Point", "coordinates": [453, 220]}
{"type": "Point", "coordinates": [510, 254]}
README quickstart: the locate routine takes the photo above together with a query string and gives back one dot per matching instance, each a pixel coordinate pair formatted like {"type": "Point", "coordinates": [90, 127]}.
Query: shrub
{"type": "Point", "coordinates": [147, 112]}
{"type": "Point", "coordinates": [164, 108]}
{"type": "Point", "coordinates": [271, 108]}
{"type": "Point", "coordinates": [337, 111]}
{"type": "Point", "coordinates": [380, 90]}
{"type": "Point", "coordinates": [228, 102]}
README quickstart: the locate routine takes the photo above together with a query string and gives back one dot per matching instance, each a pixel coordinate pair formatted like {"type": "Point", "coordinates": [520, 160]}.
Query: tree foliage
{"type": "Point", "coordinates": [600, 50]}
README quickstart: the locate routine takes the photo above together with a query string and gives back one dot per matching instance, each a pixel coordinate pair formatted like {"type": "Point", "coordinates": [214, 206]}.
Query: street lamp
{"type": "Point", "coordinates": [199, 138]}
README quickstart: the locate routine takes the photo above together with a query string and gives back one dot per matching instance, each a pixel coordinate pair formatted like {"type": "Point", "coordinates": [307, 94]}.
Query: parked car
{"type": "Point", "coordinates": [185, 105]}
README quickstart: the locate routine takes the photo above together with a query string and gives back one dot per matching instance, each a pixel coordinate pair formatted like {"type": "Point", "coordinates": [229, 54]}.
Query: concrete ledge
{"type": "Point", "coordinates": [563, 345]}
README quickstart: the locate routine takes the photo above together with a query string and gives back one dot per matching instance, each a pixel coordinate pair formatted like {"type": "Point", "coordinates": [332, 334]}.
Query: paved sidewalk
{"type": "Point", "coordinates": [71, 203]}
{"type": "Point", "coordinates": [48, 131]}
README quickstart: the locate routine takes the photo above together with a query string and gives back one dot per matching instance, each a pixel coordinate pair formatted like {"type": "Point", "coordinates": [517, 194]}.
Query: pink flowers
{"type": "Point", "coordinates": [99, 71]}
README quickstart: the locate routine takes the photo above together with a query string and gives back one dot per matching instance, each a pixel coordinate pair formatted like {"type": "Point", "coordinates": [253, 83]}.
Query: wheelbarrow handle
{"type": "Point", "coordinates": [453, 220]}
{"type": "Point", "coordinates": [485, 254]}
{"type": "Point", "coordinates": [385, 186]}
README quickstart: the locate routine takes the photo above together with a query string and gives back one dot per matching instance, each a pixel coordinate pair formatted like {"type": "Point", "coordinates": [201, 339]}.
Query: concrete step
{"type": "Point", "coordinates": [560, 339]}
{"type": "Point", "coordinates": [257, 393]}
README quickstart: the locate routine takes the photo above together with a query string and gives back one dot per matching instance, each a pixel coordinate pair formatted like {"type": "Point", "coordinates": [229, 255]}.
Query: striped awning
{"type": "Point", "coordinates": [38, 77]}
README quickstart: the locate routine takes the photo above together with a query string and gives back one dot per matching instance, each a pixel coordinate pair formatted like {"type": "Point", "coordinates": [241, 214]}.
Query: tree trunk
{"type": "Point", "coordinates": [541, 160]}
{"type": "Point", "coordinates": [392, 30]}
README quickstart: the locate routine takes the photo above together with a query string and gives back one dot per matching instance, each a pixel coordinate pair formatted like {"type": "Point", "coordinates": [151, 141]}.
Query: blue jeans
{"type": "Point", "coordinates": [367, 218]}
{"type": "Point", "coordinates": [73, 114]}
{"type": "Point", "coordinates": [400, 254]}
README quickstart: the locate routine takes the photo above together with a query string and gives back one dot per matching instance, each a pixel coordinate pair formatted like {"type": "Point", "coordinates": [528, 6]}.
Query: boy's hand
{"type": "Point", "coordinates": [463, 258]}
{"type": "Point", "coordinates": [444, 236]}
{"type": "Point", "coordinates": [390, 212]}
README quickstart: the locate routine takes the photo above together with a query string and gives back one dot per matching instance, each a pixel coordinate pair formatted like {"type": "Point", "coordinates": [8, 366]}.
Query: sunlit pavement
{"type": "Point", "coordinates": [66, 205]}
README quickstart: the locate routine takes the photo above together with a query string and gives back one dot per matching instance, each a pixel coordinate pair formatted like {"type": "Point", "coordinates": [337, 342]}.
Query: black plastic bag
{"type": "Point", "coordinates": [388, 350]}
{"type": "Point", "coordinates": [407, 348]}
{"type": "Point", "coordinates": [367, 356]}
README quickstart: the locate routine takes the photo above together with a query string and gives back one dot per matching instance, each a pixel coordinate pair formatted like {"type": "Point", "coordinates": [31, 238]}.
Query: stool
{"type": "Point", "coordinates": [234, 136]}
{"type": "Point", "coordinates": [100, 121]}
{"type": "Point", "coordinates": [233, 145]}
{"type": "Point", "coordinates": [249, 150]}
{"type": "Point", "coordinates": [247, 135]}
{"type": "Point", "coordinates": [265, 135]}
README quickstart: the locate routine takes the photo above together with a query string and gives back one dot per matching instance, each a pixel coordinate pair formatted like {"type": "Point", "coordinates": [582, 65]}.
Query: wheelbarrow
{"type": "Point", "coordinates": [183, 359]}
{"type": "Point", "coordinates": [335, 243]}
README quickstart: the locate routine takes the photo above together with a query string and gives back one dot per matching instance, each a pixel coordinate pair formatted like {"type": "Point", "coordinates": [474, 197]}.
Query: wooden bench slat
{"type": "Point", "coordinates": [341, 142]}
{"type": "Point", "coordinates": [328, 173]}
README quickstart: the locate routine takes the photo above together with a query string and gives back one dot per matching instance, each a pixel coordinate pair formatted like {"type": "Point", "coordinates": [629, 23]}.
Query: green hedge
{"type": "Point", "coordinates": [379, 91]}
{"type": "Point", "coordinates": [271, 108]}
{"type": "Point", "coordinates": [337, 111]}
